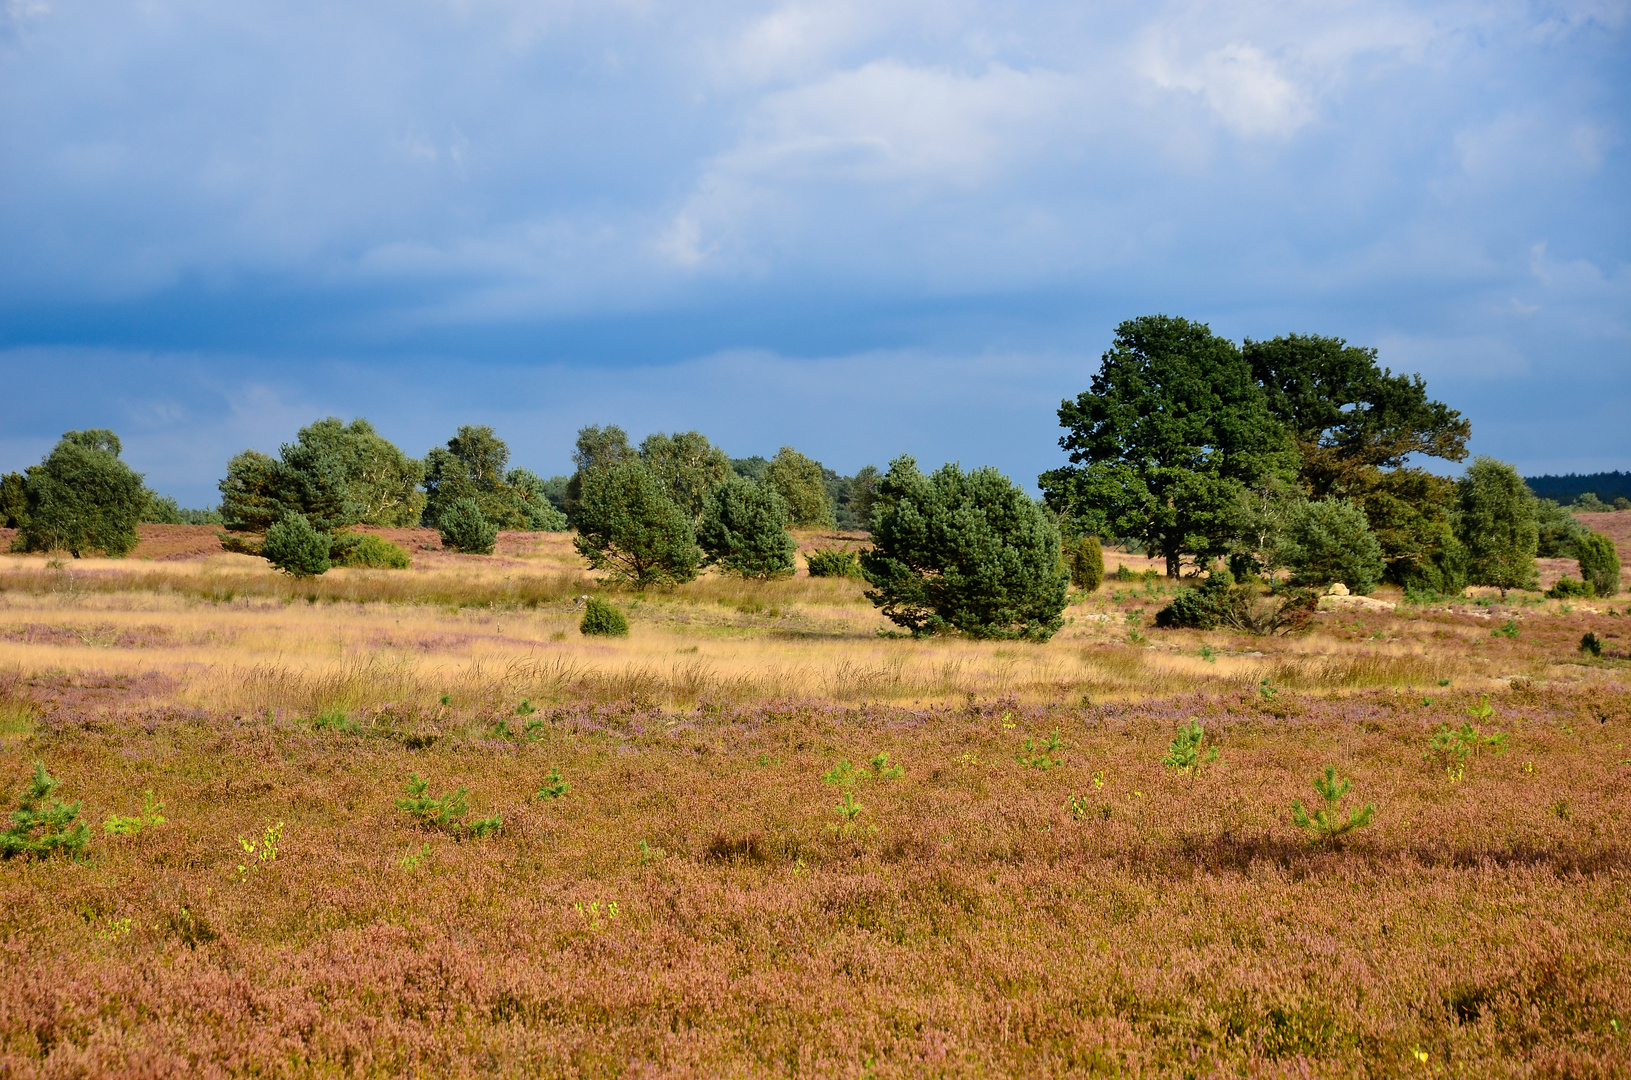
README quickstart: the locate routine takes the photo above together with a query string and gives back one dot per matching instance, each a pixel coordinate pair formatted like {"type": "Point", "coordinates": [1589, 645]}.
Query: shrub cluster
{"type": "Point", "coordinates": [1599, 563]}
{"type": "Point", "coordinates": [377, 552]}
{"type": "Point", "coordinates": [464, 528]}
{"type": "Point", "coordinates": [296, 548]}
{"type": "Point", "coordinates": [834, 562]}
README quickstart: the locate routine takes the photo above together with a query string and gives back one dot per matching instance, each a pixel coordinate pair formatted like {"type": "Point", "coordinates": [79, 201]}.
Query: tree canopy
{"type": "Point", "coordinates": [473, 466]}
{"type": "Point", "coordinates": [82, 498]}
{"type": "Point", "coordinates": [1173, 429]}
{"type": "Point", "coordinates": [802, 484]}
{"type": "Point", "coordinates": [967, 551]}
{"type": "Point", "coordinates": [689, 467]}
{"type": "Point", "coordinates": [377, 477]}
{"type": "Point", "coordinates": [628, 526]}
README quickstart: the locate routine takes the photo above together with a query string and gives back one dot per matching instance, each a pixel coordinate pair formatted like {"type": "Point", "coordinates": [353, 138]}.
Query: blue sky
{"type": "Point", "coordinates": [860, 228]}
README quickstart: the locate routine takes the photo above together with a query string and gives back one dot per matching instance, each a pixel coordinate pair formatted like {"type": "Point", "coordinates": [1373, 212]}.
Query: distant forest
{"type": "Point", "coordinates": [1607, 486]}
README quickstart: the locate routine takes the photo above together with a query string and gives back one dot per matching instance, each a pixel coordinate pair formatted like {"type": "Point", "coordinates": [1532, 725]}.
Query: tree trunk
{"type": "Point", "coordinates": [1172, 564]}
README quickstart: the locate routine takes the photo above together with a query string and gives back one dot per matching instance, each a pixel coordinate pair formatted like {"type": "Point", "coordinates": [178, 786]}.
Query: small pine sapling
{"type": "Point", "coordinates": [1184, 752]}
{"type": "Point", "coordinates": [41, 828]}
{"type": "Point", "coordinates": [1453, 747]}
{"type": "Point", "coordinates": [554, 785]}
{"type": "Point", "coordinates": [446, 812]}
{"type": "Point", "coordinates": [1589, 645]}
{"type": "Point", "coordinates": [602, 619]}
{"type": "Point", "coordinates": [1322, 824]}
{"type": "Point", "coordinates": [882, 770]}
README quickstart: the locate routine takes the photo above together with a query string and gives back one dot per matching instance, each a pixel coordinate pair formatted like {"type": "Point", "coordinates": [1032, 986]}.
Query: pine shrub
{"type": "Point", "coordinates": [1569, 588]}
{"type": "Point", "coordinates": [377, 552]}
{"type": "Point", "coordinates": [834, 562]}
{"type": "Point", "coordinates": [1087, 564]}
{"type": "Point", "coordinates": [744, 530]}
{"type": "Point", "coordinates": [466, 529]}
{"type": "Point", "coordinates": [39, 827]}
{"type": "Point", "coordinates": [1599, 563]}
{"type": "Point", "coordinates": [603, 620]}
{"type": "Point", "coordinates": [1331, 541]}
{"type": "Point", "coordinates": [294, 547]}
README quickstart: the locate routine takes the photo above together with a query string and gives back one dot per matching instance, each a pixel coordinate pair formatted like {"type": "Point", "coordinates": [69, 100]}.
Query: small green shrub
{"type": "Point", "coordinates": [294, 547]}
{"type": "Point", "coordinates": [834, 562]}
{"type": "Point", "coordinates": [1125, 573]}
{"type": "Point", "coordinates": [40, 828]}
{"type": "Point", "coordinates": [1599, 563]}
{"type": "Point", "coordinates": [602, 619]}
{"type": "Point", "coordinates": [1590, 645]}
{"type": "Point", "coordinates": [1322, 825]}
{"type": "Point", "coordinates": [1453, 748]}
{"type": "Point", "coordinates": [554, 785]}
{"type": "Point", "coordinates": [1041, 756]}
{"type": "Point", "coordinates": [377, 552]}
{"type": "Point", "coordinates": [130, 826]}
{"type": "Point", "coordinates": [1087, 564]}
{"type": "Point", "coordinates": [446, 812]}
{"type": "Point", "coordinates": [1184, 752]}
{"type": "Point", "coordinates": [1331, 541]}
{"type": "Point", "coordinates": [1569, 588]}
{"type": "Point", "coordinates": [465, 528]}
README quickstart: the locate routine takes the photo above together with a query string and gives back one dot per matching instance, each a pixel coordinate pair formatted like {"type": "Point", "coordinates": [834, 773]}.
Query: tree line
{"type": "Point", "coordinates": [1272, 464]}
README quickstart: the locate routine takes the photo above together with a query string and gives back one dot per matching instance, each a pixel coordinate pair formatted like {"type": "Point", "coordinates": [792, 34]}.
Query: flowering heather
{"type": "Point", "coordinates": [696, 904]}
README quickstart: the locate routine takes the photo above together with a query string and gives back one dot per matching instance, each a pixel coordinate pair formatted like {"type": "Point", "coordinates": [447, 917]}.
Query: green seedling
{"type": "Point", "coordinates": [1184, 752]}
{"type": "Point", "coordinates": [1266, 690]}
{"type": "Point", "coordinates": [526, 708]}
{"type": "Point", "coordinates": [593, 912]}
{"type": "Point", "coordinates": [1508, 630]}
{"type": "Point", "coordinates": [257, 853]}
{"type": "Point", "coordinates": [554, 785]}
{"type": "Point", "coordinates": [649, 853]}
{"type": "Point", "coordinates": [130, 826]}
{"type": "Point", "coordinates": [1322, 825]}
{"type": "Point", "coordinates": [1453, 748]}
{"type": "Point", "coordinates": [334, 720]}
{"type": "Point", "coordinates": [882, 770]}
{"type": "Point", "coordinates": [42, 826]}
{"type": "Point", "coordinates": [848, 808]}
{"type": "Point", "coordinates": [1041, 757]}
{"type": "Point", "coordinates": [412, 859]}
{"type": "Point", "coordinates": [1209, 654]}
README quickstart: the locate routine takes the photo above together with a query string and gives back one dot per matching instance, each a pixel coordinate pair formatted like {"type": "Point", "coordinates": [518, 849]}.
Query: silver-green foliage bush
{"type": "Point", "coordinates": [377, 552]}
{"type": "Point", "coordinates": [1599, 563]}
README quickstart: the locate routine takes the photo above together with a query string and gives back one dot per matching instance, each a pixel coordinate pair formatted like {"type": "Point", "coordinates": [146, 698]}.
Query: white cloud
{"type": "Point", "coordinates": [1242, 85]}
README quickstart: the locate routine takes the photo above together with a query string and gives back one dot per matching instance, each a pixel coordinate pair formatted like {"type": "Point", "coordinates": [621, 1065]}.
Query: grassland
{"type": "Point", "coordinates": [1034, 894]}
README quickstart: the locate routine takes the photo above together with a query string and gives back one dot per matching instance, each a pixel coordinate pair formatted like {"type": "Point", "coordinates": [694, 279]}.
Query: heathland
{"type": "Point", "coordinates": [757, 837]}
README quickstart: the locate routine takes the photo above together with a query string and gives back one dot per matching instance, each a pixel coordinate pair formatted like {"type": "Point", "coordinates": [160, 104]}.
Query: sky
{"type": "Point", "coordinates": [858, 227]}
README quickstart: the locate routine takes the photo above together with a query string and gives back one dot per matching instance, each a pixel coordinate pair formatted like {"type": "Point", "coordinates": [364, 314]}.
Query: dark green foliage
{"type": "Point", "coordinates": [802, 485]}
{"type": "Point", "coordinates": [689, 467]}
{"type": "Point", "coordinates": [1557, 530]}
{"type": "Point", "coordinates": [377, 552]}
{"type": "Point", "coordinates": [1590, 646]}
{"type": "Point", "coordinates": [744, 530]}
{"type": "Point", "coordinates": [82, 498]}
{"type": "Point", "coordinates": [1331, 541]}
{"type": "Point", "coordinates": [1251, 608]}
{"type": "Point", "coordinates": [628, 526]}
{"type": "Point", "coordinates": [465, 528]}
{"type": "Point", "coordinates": [1569, 588]}
{"type": "Point", "coordinates": [554, 785]}
{"type": "Point", "coordinates": [306, 479]}
{"type": "Point", "coordinates": [1087, 564]}
{"type": "Point", "coordinates": [472, 466]}
{"type": "Point", "coordinates": [376, 478]}
{"type": "Point", "coordinates": [969, 551]}
{"type": "Point", "coordinates": [858, 497]}
{"type": "Point", "coordinates": [1349, 414]}
{"type": "Point", "coordinates": [601, 619]}
{"type": "Point", "coordinates": [42, 826]}
{"type": "Point", "coordinates": [1498, 526]}
{"type": "Point", "coordinates": [750, 468]}
{"type": "Point", "coordinates": [446, 813]}
{"type": "Point", "coordinates": [164, 510]}
{"type": "Point", "coordinates": [1599, 563]}
{"type": "Point", "coordinates": [834, 562]}
{"type": "Point", "coordinates": [1193, 609]}
{"type": "Point", "coordinates": [1565, 489]}
{"type": "Point", "coordinates": [294, 547]}
{"type": "Point", "coordinates": [1588, 502]}
{"type": "Point", "coordinates": [1172, 431]}
{"type": "Point", "coordinates": [13, 499]}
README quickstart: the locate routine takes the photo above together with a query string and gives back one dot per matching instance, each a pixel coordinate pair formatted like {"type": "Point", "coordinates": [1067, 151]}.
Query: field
{"type": "Point", "coordinates": [755, 838]}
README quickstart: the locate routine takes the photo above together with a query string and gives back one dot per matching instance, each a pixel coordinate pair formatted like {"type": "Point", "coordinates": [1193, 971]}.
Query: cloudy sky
{"type": "Point", "coordinates": [860, 227]}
